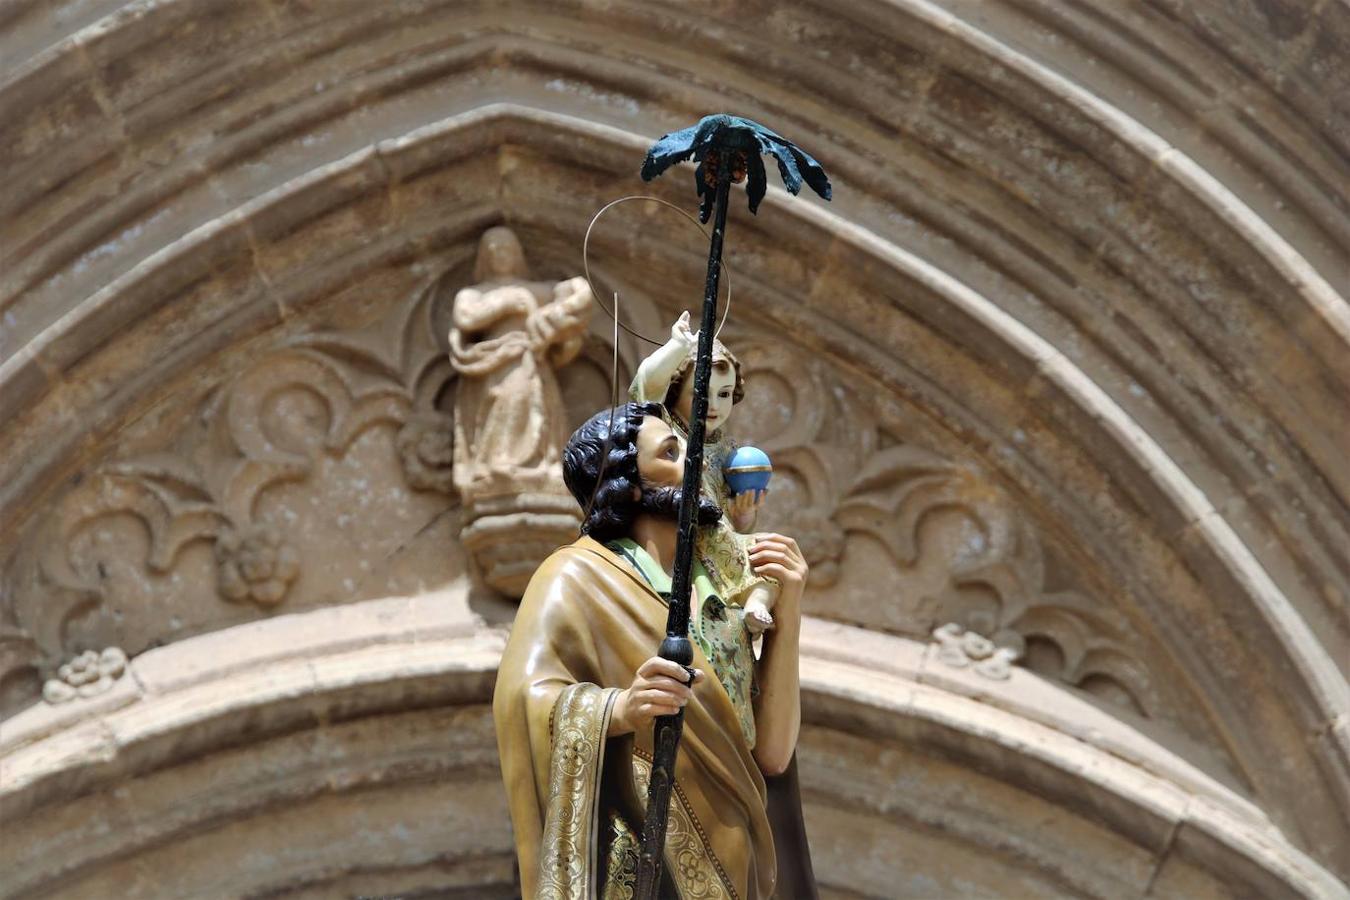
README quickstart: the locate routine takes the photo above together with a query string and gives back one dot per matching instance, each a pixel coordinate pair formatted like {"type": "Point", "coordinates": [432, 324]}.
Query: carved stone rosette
{"type": "Point", "coordinates": [959, 648]}
{"type": "Point", "coordinates": [87, 675]}
{"type": "Point", "coordinates": [256, 565]}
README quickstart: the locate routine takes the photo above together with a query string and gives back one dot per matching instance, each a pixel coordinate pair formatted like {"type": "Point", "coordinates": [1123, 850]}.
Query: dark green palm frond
{"type": "Point", "coordinates": [725, 136]}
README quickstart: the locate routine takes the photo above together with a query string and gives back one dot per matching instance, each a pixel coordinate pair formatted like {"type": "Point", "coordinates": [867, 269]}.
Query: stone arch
{"type": "Point", "coordinates": [1122, 327]}
{"type": "Point", "coordinates": [230, 745]}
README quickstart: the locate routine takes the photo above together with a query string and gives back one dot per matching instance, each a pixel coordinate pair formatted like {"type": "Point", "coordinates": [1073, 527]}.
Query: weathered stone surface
{"type": "Point", "coordinates": [354, 720]}
{"type": "Point", "coordinates": [1064, 363]}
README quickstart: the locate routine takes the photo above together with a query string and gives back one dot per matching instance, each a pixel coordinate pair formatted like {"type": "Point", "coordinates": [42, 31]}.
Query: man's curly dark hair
{"type": "Point", "coordinates": [598, 450]}
{"type": "Point", "coordinates": [604, 452]}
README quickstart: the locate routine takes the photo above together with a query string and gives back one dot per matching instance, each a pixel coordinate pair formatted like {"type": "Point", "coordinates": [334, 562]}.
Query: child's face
{"type": "Point", "coordinates": [720, 387]}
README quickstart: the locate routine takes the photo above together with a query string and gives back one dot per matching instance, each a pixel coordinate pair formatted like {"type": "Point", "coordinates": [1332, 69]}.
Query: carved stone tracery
{"type": "Point", "coordinates": [960, 549]}
{"type": "Point", "coordinates": [241, 470]}
{"type": "Point", "coordinates": [954, 547]}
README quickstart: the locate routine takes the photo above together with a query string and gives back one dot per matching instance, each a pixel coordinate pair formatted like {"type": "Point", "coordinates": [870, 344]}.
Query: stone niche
{"type": "Point", "coordinates": [1054, 390]}
{"type": "Point", "coordinates": [350, 454]}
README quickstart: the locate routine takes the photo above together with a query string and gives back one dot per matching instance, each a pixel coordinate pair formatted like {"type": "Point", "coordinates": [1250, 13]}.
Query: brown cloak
{"type": "Point", "coordinates": [586, 622]}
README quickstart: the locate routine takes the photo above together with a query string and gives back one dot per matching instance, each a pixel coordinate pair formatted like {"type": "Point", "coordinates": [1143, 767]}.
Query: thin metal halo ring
{"type": "Point", "coordinates": [586, 265]}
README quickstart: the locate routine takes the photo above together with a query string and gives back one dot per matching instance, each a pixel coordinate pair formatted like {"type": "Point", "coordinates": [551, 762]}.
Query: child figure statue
{"type": "Point", "coordinates": [667, 377]}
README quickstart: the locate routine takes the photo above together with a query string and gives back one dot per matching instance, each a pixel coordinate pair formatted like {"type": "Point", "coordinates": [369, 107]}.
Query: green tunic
{"type": "Point", "coordinates": [718, 629]}
{"type": "Point", "coordinates": [722, 550]}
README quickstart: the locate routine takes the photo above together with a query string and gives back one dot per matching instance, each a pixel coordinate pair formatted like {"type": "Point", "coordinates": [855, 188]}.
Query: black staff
{"type": "Point", "coordinates": [727, 149]}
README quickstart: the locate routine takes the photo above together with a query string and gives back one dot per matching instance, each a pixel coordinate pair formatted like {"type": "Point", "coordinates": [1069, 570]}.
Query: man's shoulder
{"type": "Point", "coordinates": [584, 558]}
{"type": "Point", "coordinates": [584, 551]}
{"type": "Point", "coordinates": [576, 577]}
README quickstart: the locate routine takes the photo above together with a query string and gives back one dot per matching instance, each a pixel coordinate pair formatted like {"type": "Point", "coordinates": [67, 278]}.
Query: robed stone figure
{"type": "Point", "coordinates": [509, 336]}
{"type": "Point", "coordinates": [580, 685]}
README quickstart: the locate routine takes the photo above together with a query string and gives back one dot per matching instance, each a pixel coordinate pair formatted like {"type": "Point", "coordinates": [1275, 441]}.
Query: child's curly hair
{"type": "Point", "coordinates": [686, 370]}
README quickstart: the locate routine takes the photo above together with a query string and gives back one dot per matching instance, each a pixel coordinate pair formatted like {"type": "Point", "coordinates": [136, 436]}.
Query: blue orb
{"type": "Point", "coordinates": [748, 469]}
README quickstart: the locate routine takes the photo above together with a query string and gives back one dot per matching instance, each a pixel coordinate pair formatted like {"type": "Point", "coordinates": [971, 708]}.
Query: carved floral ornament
{"type": "Point", "coordinates": [843, 484]}
{"type": "Point", "coordinates": [256, 565]}
{"type": "Point", "coordinates": [953, 539]}
{"type": "Point", "coordinates": [269, 425]}
{"type": "Point", "coordinates": [959, 648]}
{"type": "Point", "coordinates": [426, 449]}
{"type": "Point", "coordinates": [87, 675]}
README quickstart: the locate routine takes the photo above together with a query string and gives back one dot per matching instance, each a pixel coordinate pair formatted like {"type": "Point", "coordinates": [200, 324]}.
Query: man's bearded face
{"type": "Point", "coordinates": [661, 467]}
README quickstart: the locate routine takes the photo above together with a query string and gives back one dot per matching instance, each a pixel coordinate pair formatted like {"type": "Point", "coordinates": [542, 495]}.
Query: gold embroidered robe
{"type": "Point", "coordinates": [586, 622]}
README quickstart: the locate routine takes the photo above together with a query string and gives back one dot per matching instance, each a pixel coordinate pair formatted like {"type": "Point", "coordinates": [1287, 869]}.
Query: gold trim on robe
{"type": "Point", "coordinates": [580, 727]}
{"type": "Point", "coordinates": [695, 870]}
{"type": "Point", "coordinates": [587, 621]}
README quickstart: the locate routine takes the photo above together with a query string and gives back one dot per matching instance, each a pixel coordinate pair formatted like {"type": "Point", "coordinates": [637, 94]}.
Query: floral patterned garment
{"type": "Point", "coordinates": [621, 860]}
{"type": "Point", "coordinates": [723, 551]}
{"type": "Point", "coordinates": [718, 629]}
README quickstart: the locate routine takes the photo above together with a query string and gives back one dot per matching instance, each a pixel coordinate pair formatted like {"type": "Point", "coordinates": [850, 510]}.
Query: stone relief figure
{"type": "Point", "coordinates": [508, 336]}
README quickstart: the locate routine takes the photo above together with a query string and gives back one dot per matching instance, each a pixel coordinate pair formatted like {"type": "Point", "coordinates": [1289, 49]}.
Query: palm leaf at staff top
{"type": "Point", "coordinates": [742, 141]}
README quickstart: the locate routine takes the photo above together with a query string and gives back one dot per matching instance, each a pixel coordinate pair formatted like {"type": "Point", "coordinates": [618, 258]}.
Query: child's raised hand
{"type": "Point", "coordinates": [680, 332]}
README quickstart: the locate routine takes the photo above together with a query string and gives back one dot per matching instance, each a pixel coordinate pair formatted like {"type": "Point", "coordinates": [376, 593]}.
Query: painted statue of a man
{"type": "Point", "coordinates": [580, 686]}
{"type": "Point", "coordinates": [509, 334]}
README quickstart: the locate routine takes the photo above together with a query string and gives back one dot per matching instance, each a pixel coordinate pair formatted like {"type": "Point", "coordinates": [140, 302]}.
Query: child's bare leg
{"type": "Point", "coordinates": [757, 605]}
